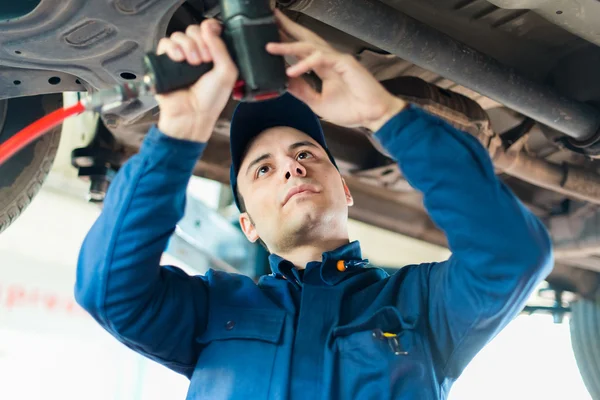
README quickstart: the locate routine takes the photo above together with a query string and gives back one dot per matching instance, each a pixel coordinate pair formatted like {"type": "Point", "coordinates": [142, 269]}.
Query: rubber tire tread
{"type": "Point", "coordinates": [27, 184]}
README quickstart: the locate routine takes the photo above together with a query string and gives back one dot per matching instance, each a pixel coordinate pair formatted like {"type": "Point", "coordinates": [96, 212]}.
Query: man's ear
{"type": "Point", "coordinates": [349, 199]}
{"type": "Point", "coordinates": [248, 227]}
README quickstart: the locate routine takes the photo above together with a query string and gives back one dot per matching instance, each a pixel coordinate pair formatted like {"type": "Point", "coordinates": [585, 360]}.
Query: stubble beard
{"type": "Point", "coordinates": [309, 229]}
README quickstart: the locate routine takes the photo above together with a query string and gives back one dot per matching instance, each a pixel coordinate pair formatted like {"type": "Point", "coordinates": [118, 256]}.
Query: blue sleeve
{"type": "Point", "coordinates": [500, 251]}
{"type": "Point", "coordinates": [156, 311]}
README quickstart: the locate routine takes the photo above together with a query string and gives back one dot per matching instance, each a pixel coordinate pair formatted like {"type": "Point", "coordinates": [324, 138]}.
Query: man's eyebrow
{"type": "Point", "coordinates": [256, 161]}
{"type": "Point", "coordinates": [302, 144]}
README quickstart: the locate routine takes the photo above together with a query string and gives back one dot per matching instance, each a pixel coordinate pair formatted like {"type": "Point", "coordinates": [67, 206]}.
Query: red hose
{"type": "Point", "coordinates": [30, 133]}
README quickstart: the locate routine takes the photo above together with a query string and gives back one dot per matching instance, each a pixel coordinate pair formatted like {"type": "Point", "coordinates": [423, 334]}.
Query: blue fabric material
{"type": "Point", "coordinates": [251, 118]}
{"type": "Point", "coordinates": [318, 333]}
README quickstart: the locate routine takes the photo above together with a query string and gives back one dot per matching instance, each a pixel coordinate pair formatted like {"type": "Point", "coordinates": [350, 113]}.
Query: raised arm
{"type": "Point", "coordinates": [500, 251]}
{"type": "Point", "coordinates": [157, 311]}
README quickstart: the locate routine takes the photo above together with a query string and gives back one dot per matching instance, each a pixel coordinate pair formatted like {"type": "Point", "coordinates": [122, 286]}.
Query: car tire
{"type": "Point", "coordinates": [585, 339]}
{"type": "Point", "coordinates": [22, 176]}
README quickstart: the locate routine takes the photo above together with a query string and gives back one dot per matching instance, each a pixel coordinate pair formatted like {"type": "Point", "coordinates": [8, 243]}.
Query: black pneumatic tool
{"type": "Point", "coordinates": [248, 26]}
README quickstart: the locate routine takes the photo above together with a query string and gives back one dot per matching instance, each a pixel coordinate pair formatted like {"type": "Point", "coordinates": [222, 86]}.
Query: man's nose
{"type": "Point", "coordinates": [294, 169]}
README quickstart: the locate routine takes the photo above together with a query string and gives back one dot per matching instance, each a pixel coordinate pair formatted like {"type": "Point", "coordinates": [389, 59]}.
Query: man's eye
{"type": "Point", "coordinates": [262, 170]}
{"type": "Point", "coordinates": [304, 155]}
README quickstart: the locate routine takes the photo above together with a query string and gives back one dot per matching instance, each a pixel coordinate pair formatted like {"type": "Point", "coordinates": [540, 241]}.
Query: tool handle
{"type": "Point", "coordinates": [169, 75]}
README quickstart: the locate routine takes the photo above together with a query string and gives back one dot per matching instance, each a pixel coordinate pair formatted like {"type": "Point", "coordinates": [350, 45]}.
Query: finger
{"type": "Point", "coordinates": [218, 51]}
{"type": "Point", "coordinates": [303, 91]}
{"type": "Point", "coordinates": [210, 26]}
{"type": "Point", "coordinates": [189, 47]}
{"type": "Point", "coordinates": [290, 27]}
{"type": "Point", "coordinates": [298, 49]}
{"type": "Point", "coordinates": [294, 29]}
{"type": "Point", "coordinates": [195, 32]}
{"type": "Point", "coordinates": [170, 48]}
{"type": "Point", "coordinates": [316, 60]}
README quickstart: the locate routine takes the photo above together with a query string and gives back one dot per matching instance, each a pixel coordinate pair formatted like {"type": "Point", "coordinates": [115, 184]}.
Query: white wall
{"type": "Point", "coordinates": [49, 348]}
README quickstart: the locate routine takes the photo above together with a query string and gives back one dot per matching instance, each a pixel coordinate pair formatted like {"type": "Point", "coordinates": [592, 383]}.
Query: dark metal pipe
{"type": "Point", "coordinates": [467, 115]}
{"type": "Point", "coordinates": [565, 179]}
{"type": "Point", "coordinates": [385, 27]}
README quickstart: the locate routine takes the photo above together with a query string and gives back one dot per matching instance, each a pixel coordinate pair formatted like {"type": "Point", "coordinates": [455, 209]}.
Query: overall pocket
{"type": "Point", "coordinates": [381, 356]}
{"type": "Point", "coordinates": [239, 354]}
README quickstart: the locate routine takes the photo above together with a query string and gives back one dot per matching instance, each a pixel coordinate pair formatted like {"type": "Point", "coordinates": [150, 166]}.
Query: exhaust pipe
{"type": "Point", "coordinates": [468, 116]}
{"type": "Point", "coordinates": [565, 179]}
{"type": "Point", "coordinates": [385, 27]}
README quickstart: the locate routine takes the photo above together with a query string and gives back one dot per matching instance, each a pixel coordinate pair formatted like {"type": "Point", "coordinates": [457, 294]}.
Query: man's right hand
{"type": "Point", "coordinates": [192, 113]}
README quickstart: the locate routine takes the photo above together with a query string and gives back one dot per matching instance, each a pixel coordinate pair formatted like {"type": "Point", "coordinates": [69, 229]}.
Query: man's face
{"type": "Point", "coordinates": [291, 190]}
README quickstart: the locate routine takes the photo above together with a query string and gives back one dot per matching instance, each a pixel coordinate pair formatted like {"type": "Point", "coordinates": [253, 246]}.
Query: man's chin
{"type": "Point", "coordinates": [305, 216]}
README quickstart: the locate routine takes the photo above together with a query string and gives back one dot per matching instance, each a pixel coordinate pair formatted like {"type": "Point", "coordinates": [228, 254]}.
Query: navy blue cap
{"type": "Point", "coordinates": [251, 118]}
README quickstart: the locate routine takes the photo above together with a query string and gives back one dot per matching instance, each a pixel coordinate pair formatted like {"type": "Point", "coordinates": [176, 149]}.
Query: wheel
{"type": "Point", "coordinates": [21, 177]}
{"type": "Point", "coordinates": [585, 339]}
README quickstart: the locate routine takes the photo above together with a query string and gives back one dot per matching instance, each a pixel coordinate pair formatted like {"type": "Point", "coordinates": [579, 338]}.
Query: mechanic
{"type": "Point", "coordinates": [323, 325]}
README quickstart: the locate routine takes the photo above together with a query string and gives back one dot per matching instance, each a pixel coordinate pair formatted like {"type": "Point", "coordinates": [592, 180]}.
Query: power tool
{"type": "Point", "coordinates": [248, 25]}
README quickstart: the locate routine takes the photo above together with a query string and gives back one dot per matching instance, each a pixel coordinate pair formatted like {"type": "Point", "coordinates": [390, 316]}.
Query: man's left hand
{"type": "Point", "coordinates": [350, 95]}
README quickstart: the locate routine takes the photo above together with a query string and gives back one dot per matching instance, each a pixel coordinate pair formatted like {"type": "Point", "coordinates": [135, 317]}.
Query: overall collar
{"type": "Point", "coordinates": [334, 267]}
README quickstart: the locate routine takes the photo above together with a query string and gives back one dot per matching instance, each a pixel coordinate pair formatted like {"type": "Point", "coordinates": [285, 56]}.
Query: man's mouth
{"type": "Point", "coordinates": [299, 190]}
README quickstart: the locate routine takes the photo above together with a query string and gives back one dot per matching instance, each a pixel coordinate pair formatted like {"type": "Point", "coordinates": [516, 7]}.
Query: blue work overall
{"type": "Point", "coordinates": [338, 329]}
